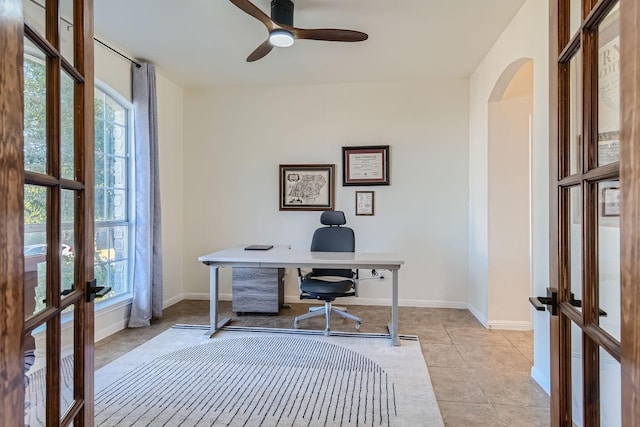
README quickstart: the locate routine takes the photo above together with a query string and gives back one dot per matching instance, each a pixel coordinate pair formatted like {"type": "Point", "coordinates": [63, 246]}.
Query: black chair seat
{"type": "Point", "coordinates": [321, 288]}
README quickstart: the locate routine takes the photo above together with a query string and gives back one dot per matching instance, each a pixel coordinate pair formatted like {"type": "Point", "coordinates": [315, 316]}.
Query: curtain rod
{"type": "Point", "coordinates": [133, 61]}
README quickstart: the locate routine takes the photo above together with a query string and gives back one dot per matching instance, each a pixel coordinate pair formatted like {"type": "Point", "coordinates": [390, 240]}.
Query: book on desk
{"type": "Point", "coordinates": [258, 247]}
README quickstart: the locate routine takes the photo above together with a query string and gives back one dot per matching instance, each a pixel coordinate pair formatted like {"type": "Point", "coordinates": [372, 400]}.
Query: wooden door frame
{"type": "Point", "coordinates": [630, 214]}
{"type": "Point", "coordinates": [11, 212]}
{"type": "Point", "coordinates": [12, 180]}
{"type": "Point", "coordinates": [629, 220]}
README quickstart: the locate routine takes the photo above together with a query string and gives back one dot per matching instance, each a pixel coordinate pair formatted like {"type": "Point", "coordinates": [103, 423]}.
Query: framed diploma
{"type": "Point", "coordinates": [366, 165]}
{"type": "Point", "coordinates": [611, 201]}
{"type": "Point", "coordinates": [364, 203]}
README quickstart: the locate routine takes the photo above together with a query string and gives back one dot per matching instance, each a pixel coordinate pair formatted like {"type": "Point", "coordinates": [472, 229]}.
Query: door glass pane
{"type": "Point", "coordinates": [67, 359]}
{"type": "Point", "coordinates": [68, 239]}
{"type": "Point", "coordinates": [35, 117]}
{"type": "Point", "coordinates": [576, 375]}
{"type": "Point", "coordinates": [610, 391]}
{"type": "Point", "coordinates": [575, 16]}
{"type": "Point", "coordinates": [67, 126]}
{"type": "Point", "coordinates": [575, 113]}
{"type": "Point", "coordinates": [35, 249]}
{"type": "Point", "coordinates": [34, 14]}
{"type": "Point", "coordinates": [575, 241]}
{"type": "Point", "coordinates": [35, 365]}
{"type": "Point", "coordinates": [609, 255]}
{"type": "Point", "coordinates": [66, 29]}
{"type": "Point", "coordinates": [609, 89]}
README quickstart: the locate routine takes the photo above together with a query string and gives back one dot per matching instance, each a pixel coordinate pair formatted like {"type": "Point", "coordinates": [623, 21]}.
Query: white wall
{"type": "Point", "coordinates": [235, 138]}
{"type": "Point", "coordinates": [525, 37]}
{"type": "Point", "coordinates": [508, 213]}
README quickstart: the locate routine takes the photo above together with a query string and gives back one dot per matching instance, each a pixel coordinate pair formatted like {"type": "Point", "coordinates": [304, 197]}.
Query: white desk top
{"type": "Point", "coordinates": [283, 257]}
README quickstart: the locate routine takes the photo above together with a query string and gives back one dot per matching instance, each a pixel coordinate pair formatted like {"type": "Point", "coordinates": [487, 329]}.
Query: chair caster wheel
{"type": "Point", "coordinates": [358, 325]}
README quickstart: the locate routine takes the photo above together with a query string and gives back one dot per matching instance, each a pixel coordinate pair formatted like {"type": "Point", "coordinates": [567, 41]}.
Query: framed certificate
{"type": "Point", "coordinates": [366, 165]}
{"type": "Point", "coordinates": [364, 203]}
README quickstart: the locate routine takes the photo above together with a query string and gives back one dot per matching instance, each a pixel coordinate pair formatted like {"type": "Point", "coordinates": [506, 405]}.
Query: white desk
{"type": "Point", "coordinates": [283, 257]}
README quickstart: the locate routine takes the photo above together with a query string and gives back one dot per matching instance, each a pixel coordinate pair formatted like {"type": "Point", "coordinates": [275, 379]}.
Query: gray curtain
{"type": "Point", "coordinates": [147, 270]}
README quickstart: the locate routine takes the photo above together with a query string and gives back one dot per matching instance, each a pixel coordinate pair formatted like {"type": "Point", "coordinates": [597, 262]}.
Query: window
{"type": "Point", "coordinates": [113, 256]}
{"type": "Point", "coordinates": [113, 206]}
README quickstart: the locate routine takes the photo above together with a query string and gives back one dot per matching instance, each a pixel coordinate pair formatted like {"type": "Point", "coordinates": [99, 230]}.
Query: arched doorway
{"type": "Point", "coordinates": [510, 114]}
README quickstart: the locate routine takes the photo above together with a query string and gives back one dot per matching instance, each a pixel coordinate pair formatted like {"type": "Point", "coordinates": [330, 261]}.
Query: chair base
{"type": "Point", "coordinates": [326, 311]}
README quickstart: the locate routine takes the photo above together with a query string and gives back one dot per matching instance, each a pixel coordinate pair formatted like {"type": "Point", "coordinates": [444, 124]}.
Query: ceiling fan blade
{"type": "Point", "coordinates": [251, 9]}
{"type": "Point", "coordinates": [329, 34]}
{"type": "Point", "coordinates": [260, 52]}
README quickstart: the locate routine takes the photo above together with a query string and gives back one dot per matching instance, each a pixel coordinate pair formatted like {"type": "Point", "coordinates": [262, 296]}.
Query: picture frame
{"type": "Point", "coordinates": [610, 201]}
{"type": "Point", "coordinates": [365, 165]}
{"type": "Point", "coordinates": [307, 187]}
{"type": "Point", "coordinates": [365, 203]}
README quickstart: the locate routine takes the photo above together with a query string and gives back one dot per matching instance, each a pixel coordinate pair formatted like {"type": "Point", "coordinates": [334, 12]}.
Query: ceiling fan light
{"type": "Point", "coordinates": [281, 38]}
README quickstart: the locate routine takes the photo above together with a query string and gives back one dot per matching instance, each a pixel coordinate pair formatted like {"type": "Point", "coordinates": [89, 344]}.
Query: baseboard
{"type": "Point", "coordinates": [120, 310]}
{"type": "Point", "coordinates": [171, 301]}
{"type": "Point", "coordinates": [292, 299]}
{"type": "Point", "coordinates": [203, 296]}
{"type": "Point", "coordinates": [542, 379]}
{"type": "Point", "coordinates": [508, 325]}
{"type": "Point", "coordinates": [478, 315]}
{"type": "Point", "coordinates": [110, 329]}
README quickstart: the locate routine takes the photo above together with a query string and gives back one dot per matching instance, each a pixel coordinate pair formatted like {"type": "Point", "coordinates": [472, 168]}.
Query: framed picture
{"type": "Point", "coordinates": [611, 201]}
{"type": "Point", "coordinates": [366, 165]}
{"type": "Point", "coordinates": [307, 187]}
{"type": "Point", "coordinates": [364, 203]}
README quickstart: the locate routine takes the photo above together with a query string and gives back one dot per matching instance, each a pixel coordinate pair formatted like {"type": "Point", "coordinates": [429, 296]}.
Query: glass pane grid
{"type": "Point", "coordinates": [609, 88]}
{"type": "Point", "coordinates": [67, 126]}
{"type": "Point", "coordinates": [575, 118]}
{"type": "Point", "coordinates": [35, 99]}
{"type": "Point", "coordinates": [608, 206]}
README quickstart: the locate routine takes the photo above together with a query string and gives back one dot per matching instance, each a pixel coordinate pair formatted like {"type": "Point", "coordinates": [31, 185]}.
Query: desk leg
{"type": "Point", "coordinates": [213, 302]}
{"type": "Point", "coordinates": [393, 327]}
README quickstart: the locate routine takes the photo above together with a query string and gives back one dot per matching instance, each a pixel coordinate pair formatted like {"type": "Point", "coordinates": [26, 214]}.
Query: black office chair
{"type": "Point", "coordinates": [328, 284]}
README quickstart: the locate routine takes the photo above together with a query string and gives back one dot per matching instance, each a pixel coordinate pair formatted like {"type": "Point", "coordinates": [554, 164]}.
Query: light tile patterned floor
{"type": "Point", "coordinates": [481, 377]}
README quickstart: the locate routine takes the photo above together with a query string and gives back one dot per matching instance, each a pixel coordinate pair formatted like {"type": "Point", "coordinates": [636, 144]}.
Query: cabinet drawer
{"type": "Point", "coordinates": [257, 290]}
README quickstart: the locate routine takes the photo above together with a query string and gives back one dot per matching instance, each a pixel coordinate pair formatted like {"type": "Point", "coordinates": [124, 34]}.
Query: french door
{"type": "Point", "coordinates": [46, 214]}
{"type": "Point", "coordinates": [595, 209]}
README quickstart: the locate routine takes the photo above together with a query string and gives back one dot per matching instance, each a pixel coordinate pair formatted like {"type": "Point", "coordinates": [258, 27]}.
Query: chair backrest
{"type": "Point", "coordinates": [333, 238]}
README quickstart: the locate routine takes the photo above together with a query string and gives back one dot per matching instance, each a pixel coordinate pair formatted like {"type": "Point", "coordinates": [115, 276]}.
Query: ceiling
{"type": "Point", "coordinates": [199, 43]}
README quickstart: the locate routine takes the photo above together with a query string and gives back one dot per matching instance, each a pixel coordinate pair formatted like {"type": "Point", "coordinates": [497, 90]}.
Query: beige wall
{"type": "Point", "coordinates": [235, 138]}
{"type": "Point", "coordinates": [508, 212]}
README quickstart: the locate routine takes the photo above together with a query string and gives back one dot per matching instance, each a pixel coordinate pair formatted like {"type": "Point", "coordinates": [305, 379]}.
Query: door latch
{"type": "Point", "coordinates": [550, 301]}
{"type": "Point", "coordinates": [96, 291]}
{"type": "Point", "coordinates": [578, 303]}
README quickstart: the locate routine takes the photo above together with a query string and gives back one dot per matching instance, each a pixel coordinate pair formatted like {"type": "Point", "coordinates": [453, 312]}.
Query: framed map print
{"type": "Point", "coordinates": [307, 187]}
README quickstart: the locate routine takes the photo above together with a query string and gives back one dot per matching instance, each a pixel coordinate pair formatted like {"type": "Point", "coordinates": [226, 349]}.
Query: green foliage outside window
{"type": "Point", "coordinates": [111, 180]}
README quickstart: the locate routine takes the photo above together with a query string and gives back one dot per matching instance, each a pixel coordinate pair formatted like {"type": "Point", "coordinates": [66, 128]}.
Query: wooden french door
{"type": "Point", "coordinates": [595, 209]}
{"type": "Point", "coordinates": [46, 214]}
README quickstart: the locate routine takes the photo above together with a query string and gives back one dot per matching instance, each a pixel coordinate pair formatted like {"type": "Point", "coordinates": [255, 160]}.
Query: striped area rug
{"type": "Point", "coordinates": [249, 378]}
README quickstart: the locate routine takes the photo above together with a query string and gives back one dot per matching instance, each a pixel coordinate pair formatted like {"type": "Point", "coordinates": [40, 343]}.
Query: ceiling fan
{"type": "Point", "coordinates": [282, 33]}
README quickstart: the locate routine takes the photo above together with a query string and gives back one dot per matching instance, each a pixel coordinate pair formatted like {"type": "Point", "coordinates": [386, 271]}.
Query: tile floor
{"type": "Point", "coordinates": [481, 377]}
